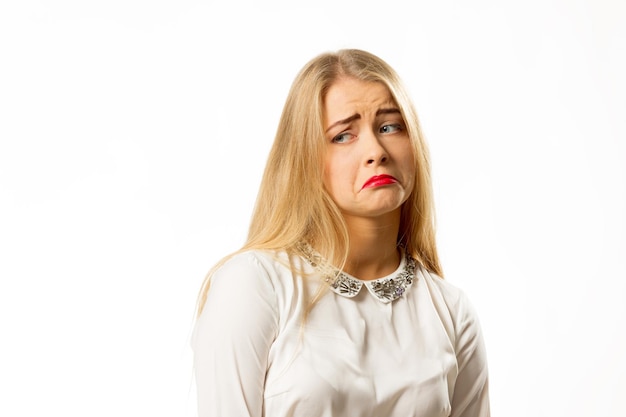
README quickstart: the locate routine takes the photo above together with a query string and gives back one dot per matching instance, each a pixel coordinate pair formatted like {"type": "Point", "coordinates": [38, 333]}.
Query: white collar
{"type": "Point", "coordinates": [385, 289]}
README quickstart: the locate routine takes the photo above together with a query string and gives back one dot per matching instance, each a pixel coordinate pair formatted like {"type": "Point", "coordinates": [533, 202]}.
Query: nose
{"type": "Point", "coordinates": [375, 153]}
{"type": "Point", "coordinates": [381, 160]}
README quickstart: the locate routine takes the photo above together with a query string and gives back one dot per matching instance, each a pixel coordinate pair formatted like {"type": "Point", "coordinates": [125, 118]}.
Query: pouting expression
{"type": "Point", "coordinates": [369, 167]}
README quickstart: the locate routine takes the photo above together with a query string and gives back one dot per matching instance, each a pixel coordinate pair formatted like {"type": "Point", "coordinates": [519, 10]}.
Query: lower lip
{"type": "Point", "coordinates": [379, 182]}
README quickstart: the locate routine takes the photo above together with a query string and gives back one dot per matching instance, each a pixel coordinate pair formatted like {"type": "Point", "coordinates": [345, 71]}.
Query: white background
{"type": "Point", "coordinates": [133, 137]}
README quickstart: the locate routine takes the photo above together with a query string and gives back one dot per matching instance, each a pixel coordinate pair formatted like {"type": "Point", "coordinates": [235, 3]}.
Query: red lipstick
{"type": "Point", "coordinates": [378, 180]}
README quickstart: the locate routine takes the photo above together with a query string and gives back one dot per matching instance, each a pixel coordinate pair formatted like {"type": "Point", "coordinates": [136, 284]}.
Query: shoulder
{"type": "Point", "coordinates": [240, 285]}
{"type": "Point", "coordinates": [452, 302]}
{"type": "Point", "coordinates": [240, 308]}
{"type": "Point", "coordinates": [251, 268]}
{"type": "Point", "coordinates": [256, 280]}
{"type": "Point", "coordinates": [440, 288]}
{"type": "Point", "coordinates": [246, 261]}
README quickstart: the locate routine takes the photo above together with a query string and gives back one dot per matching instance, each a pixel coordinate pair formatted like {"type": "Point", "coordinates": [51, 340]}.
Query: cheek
{"type": "Point", "coordinates": [407, 164]}
{"type": "Point", "coordinates": [329, 173]}
{"type": "Point", "coordinates": [333, 170]}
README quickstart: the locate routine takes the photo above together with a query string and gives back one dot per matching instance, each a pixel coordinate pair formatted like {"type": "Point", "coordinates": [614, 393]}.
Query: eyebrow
{"type": "Point", "coordinates": [357, 116]}
{"type": "Point", "coordinates": [388, 111]}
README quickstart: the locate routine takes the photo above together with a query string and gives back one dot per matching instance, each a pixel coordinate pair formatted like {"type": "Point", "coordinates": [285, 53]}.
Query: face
{"type": "Point", "coordinates": [369, 166]}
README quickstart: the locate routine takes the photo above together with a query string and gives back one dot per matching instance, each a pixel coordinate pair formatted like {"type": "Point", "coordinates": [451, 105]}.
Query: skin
{"type": "Point", "coordinates": [366, 136]}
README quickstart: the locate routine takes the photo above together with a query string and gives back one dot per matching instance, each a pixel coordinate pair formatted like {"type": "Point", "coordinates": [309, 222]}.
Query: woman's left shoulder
{"type": "Point", "coordinates": [447, 294]}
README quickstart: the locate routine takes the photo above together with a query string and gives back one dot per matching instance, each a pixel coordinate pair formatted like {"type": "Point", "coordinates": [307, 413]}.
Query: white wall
{"type": "Point", "coordinates": [133, 135]}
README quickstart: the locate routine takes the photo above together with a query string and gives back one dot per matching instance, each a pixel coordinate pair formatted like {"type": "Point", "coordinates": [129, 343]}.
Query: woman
{"type": "Point", "coordinates": [335, 305]}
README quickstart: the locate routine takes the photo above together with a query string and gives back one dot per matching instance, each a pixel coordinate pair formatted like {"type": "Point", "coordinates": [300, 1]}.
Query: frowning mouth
{"type": "Point", "coordinates": [379, 180]}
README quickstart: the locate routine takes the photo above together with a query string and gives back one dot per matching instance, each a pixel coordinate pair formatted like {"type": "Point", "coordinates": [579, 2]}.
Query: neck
{"type": "Point", "coordinates": [373, 245]}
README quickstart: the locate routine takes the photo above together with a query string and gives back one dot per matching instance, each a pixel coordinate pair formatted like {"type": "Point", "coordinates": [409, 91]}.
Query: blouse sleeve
{"type": "Point", "coordinates": [471, 391]}
{"type": "Point", "coordinates": [232, 339]}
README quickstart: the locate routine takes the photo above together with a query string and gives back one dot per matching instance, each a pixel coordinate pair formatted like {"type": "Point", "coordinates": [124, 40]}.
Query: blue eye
{"type": "Point", "coordinates": [392, 128]}
{"type": "Point", "coordinates": [342, 137]}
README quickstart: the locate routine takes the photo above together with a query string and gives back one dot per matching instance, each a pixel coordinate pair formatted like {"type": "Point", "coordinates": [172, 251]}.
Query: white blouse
{"type": "Point", "coordinates": [359, 353]}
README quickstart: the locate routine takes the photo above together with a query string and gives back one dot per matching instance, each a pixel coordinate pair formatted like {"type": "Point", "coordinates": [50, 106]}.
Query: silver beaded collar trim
{"type": "Point", "coordinates": [385, 289]}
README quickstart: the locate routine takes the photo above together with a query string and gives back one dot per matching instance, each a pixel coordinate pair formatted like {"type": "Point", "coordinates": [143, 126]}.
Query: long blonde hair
{"type": "Point", "coordinates": [294, 207]}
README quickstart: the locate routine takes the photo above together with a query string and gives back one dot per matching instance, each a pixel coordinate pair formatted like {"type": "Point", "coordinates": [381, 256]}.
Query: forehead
{"type": "Point", "coordinates": [347, 96]}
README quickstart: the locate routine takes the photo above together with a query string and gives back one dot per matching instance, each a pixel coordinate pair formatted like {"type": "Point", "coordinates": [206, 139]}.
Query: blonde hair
{"type": "Point", "coordinates": [294, 207]}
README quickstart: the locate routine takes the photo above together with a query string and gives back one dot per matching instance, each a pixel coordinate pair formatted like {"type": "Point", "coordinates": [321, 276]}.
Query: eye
{"type": "Point", "coordinates": [342, 137]}
{"type": "Point", "coordinates": [390, 128]}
